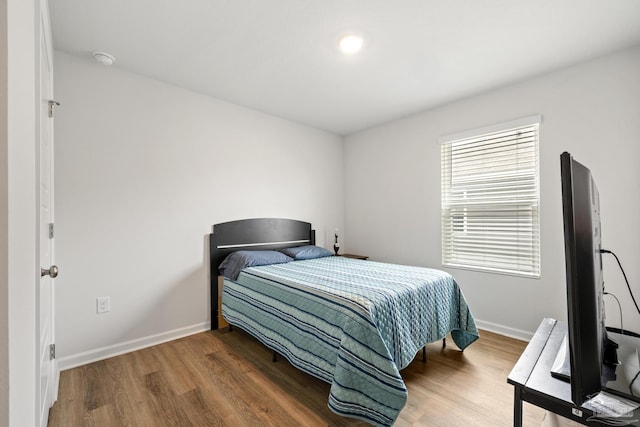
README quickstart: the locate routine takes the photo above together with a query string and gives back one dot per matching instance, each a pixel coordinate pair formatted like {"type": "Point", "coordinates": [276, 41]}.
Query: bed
{"type": "Point", "coordinates": [352, 323]}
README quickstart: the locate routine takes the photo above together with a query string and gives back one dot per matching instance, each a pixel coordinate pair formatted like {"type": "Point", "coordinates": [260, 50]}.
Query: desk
{"type": "Point", "coordinates": [533, 382]}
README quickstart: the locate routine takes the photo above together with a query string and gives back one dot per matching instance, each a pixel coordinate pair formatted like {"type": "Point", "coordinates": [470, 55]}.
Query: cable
{"type": "Point", "coordinates": [631, 383]}
{"type": "Point", "coordinates": [605, 251]}
{"type": "Point", "coordinates": [619, 308]}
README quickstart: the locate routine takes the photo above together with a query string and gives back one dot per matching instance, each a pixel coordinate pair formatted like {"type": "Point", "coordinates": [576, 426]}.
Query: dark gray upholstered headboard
{"type": "Point", "coordinates": [252, 234]}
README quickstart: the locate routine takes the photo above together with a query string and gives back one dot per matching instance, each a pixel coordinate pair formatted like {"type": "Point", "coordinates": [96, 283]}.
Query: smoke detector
{"type": "Point", "coordinates": [104, 58]}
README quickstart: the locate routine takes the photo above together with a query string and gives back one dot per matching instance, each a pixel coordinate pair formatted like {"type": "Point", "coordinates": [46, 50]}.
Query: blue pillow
{"type": "Point", "coordinates": [306, 252]}
{"type": "Point", "coordinates": [235, 262]}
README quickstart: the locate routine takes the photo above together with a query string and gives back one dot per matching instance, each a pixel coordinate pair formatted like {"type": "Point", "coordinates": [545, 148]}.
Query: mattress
{"type": "Point", "coordinates": [354, 324]}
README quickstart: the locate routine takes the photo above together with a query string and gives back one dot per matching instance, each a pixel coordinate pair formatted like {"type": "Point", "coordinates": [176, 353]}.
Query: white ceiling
{"type": "Point", "coordinates": [280, 56]}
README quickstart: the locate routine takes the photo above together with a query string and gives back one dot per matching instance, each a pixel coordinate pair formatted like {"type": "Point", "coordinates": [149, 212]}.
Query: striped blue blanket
{"type": "Point", "coordinates": [354, 324]}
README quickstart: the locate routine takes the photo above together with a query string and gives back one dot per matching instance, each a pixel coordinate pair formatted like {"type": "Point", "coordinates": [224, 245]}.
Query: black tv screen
{"type": "Point", "coordinates": [585, 287]}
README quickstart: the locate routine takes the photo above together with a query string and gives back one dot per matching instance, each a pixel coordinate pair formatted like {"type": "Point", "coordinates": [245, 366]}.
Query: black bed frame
{"type": "Point", "coordinates": [252, 234]}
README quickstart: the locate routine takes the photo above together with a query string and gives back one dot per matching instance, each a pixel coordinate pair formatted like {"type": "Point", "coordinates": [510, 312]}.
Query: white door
{"type": "Point", "coordinates": [45, 294]}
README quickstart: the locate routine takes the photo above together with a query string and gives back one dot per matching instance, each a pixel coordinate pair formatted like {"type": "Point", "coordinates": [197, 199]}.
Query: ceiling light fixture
{"type": "Point", "coordinates": [104, 58]}
{"type": "Point", "coordinates": [350, 44]}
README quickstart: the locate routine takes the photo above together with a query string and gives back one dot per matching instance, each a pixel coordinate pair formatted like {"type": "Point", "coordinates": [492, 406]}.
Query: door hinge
{"type": "Point", "coordinates": [52, 105]}
{"type": "Point", "coordinates": [52, 351]}
{"type": "Point", "coordinates": [51, 230]}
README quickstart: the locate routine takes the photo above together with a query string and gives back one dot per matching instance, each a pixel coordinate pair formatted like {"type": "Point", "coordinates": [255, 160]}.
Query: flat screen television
{"type": "Point", "coordinates": [587, 335]}
{"type": "Point", "coordinates": [588, 358]}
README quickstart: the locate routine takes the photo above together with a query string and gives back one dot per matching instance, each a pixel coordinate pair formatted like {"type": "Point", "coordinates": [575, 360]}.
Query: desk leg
{"type": "Point", "coordinates": [517, 407]}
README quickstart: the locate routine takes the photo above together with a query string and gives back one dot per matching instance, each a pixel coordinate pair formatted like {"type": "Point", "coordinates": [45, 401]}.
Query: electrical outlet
{"type": "Point", "coordinates": [103, 304]}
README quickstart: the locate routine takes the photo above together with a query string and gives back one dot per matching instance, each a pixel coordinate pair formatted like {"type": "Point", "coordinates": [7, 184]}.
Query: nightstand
{"type": "Point", "coordinates": [362, 257]}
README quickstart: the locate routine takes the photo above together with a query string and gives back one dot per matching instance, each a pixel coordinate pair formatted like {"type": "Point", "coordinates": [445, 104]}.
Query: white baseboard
{"type": "Point", "coordinates": [504, 330]}
{"type": "Point", "coordinates": [102, 353]}
{"type": "Point", "coordinates": [90, 356]}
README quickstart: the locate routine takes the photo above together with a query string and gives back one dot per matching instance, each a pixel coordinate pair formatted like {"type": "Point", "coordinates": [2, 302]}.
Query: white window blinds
{"type": "Point", "coordinates": [490, 199]}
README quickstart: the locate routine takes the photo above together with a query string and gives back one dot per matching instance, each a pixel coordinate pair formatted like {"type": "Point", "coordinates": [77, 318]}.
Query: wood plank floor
{"type": "Point", "coordinates": [227, 378]}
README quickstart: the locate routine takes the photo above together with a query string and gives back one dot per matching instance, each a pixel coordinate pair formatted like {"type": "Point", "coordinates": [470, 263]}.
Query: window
{"type": "Point", "coordinates": [491, 199]}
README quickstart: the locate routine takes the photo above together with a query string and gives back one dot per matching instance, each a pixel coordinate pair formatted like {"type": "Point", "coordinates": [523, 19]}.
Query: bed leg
{"type": "Point", "coordinates": [424, 354]}
{"type": "Point", "coordinates": [275, 357]}
{"type": "Point", "coordinates": [444, 342]}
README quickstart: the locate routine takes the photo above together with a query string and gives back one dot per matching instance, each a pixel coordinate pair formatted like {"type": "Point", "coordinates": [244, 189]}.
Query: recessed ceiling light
{"type": "Point", "coordinates": [350, 43]}
{"type": "Point", "coordinates": [104, 58]}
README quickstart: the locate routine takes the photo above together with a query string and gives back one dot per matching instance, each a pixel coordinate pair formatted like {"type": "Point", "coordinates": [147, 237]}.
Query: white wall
{"type": "Point", "coordinates": [143, 170]}
{"type": "Point", "coordinates": [18, 205]}
{"type": "Point", "coordinates": [4, 221]}
{"type": "Point", "coordinates": [592, 110]}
